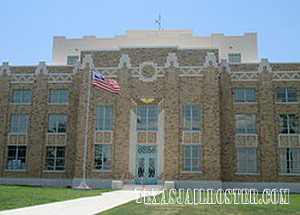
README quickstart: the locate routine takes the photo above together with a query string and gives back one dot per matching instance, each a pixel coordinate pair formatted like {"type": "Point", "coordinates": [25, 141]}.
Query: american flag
{"type": "Point", "coordinates": [106, 84]}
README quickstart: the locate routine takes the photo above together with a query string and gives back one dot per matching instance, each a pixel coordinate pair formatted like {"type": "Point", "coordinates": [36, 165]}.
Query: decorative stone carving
{"type": "Point", "coordinates": [87, 61]}
{"type": "Point", "coordinates": [124, 61]}
{"type": "Point", "coordinates": [41, 68]}
{"type": "Point", "coordinates": [4, 70]}
{"type": "Point", "coordinates": [210, 60]}
{"type": "Point", "coordinates": [172, 60]}
{"type": "Point", "coordinates": [246, 140]}
{"type": "Point", "coordinates": [224, 66]}
{"type": "Point", "coordinates": [148, 71]}
{"type": "Point", "coordinates": [289, 141]}
{"type": "Point", "coordinates": [264, 66]}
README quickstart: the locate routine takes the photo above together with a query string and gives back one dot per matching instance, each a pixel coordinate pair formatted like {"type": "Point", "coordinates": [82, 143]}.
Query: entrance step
{"type": "Point", "coordinates": [138, 186]}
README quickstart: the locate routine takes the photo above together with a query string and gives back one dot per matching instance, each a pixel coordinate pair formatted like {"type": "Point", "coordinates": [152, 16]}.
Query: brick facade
{"type": "Point", "coordinates": [191, 77]}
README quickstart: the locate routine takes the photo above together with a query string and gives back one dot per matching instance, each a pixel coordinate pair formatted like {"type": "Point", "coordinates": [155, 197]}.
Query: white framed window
{"type": "Point", "coordinates": [104, 118]}
{"type": "Point", "coordinates": [72, 59]}
{"type": "Point", "coordinates": [286, 95]}
{"type": "Point", "coordinates": [57, 123]}
{"type": "Point", "coordinates": [21, 96]}
{"type": "Point", "coordinates": [245, 124]}
{"type": "Point", "coordinates": [246, 160]}
{"type": "Point", "coordinates": [191, 159]}
{"type": "Point", "coordinates": [19, 123]}
{"type": "Point", "coordinates": [16, 158]}
{"type": "Point", "coordinates": [191, 117]}
{"type": "Point", "coordinates": [244, 95]}
{"type": "Point", "coordinates": [55, 158]}
{"type": "Point", "coordinates": [288, 124]}
{"type": "Point", "coordinates": [234, 58]}
{"type": "Point", "coordinates": [289, 160]}
{"type": "Point", "coordinates": [102, 157]}
{"type": "Point", "coordinates": [147, 117]}
{"type": "Point", "coordinates": [58, 96]}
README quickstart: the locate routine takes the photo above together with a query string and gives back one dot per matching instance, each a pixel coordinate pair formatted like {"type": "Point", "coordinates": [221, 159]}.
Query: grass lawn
{"type": "Point", "coordinates": [134, 208]}
{"type": "Point", "coordinates": [22, 196]}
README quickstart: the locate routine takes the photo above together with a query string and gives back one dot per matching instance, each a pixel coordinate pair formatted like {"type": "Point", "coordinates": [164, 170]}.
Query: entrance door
{"type": "Point", "coordinates": [146, 166]}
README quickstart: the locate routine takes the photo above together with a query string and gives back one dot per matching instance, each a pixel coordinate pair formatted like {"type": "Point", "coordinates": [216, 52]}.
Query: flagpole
{"type": "Point", "coordinates": [83, 185]}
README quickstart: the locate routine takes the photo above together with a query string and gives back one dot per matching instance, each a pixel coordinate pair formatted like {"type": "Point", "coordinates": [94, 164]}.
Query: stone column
{"type": "Point", "coordinates": [267, 141]}
{"type": "Point", "coordinates": [38, 122]}
{"type": "Point", "coordinates": [211, 147]}
{"type": "Point", "coordinates": [227, 124]}
{"type": "Point", "coordinates": [4, 116]}
{"type": "Point", "coordinates": [172, 124]}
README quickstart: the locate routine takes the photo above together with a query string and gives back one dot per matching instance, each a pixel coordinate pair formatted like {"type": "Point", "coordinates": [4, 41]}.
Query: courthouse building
{"type": "Point", "coordinates": [200, 111]}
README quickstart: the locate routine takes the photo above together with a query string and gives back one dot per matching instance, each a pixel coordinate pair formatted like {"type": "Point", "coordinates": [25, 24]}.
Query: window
{"type": "Point", "coordinates": [286, 95]}
{"type": "Point", "coordinates": [244, 95]}
{"type": "Point", "coordinates": [102, 157]}
{"type": "Point", "coordinates": [59, 96]}
{"type": "Point", "coordinates": [191, 158]}
{"type": "Point", "coordinates": [19, 123]}
{"type": "Point", "coordinates": [289, 160]}
{"type": "Point", "coordinates": [16, 158]}
{"type": "Point", "coordinates": [57, 123]}
{"type": "Point", "coordinates": [234, 58]}
{"type": "Point", "coordinates": [191, 117]}
{"type": "Point", "coordinates": [288, 124]}
{"type": "Point", "coordinates": [55, 158]}
{"type": "Point", "coordinates": [147, 118]}
{"type": "Point", "coordinates": [71, 60]}
{"type": "Point", "coordinates": [245, 124]}
{"type": "Point", "coordinates": [104, 118]}
{"type": "Point", "coordinates": [21, 96]}
{"type": "Point", "coordinates": [246, 160]}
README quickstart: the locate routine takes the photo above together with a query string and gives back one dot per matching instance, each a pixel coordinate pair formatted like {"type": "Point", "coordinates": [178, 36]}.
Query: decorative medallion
{"type": "Point", "coordinates": [148, 71]}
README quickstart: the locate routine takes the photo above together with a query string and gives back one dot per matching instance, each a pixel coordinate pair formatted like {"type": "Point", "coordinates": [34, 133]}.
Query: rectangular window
{"type": "Point", "coordinates": [147, 118]}
{"type": "Point", "coordinates": [245, 124]}
{"type": "Point", "coordinates": [57, 123]}
{"type": "Point", "coordinates": [21, 96]}
{"type": "Point", "coordinates": [234, 58]}
{"type": "Point", "coordinates": [246, 160]}
{"type": "Point", "coordinates": [102, 157]}
{"type": "Point", "coordinates": [104, 118]}
{"type": "Point", "coordinates": [191, 159]}
{"type": "Point", "coordinates": [16, 158]}
{"type": "Point", "coordinates": [19, 123]}
{"type": "Point", "coordinates": [71, 60]}
{"type": "Point", "coordinates": [55, 158]}
{"type": "Point", "coordinates": [244, 95]}
{"type": "Point", "coordinates": [286, 95]}
{"type": "Point", "coordinates": [288, 124]}
{"type": "Point", "coordinates": [191, 117]}
{"type": "Point", "coordinates": [289, 160]}
{"type": "Point", "coordinates": [58, 96]}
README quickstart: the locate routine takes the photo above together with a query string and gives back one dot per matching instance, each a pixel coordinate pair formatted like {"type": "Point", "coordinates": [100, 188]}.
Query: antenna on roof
{"type": "Point", "coordinates": [158, 22]}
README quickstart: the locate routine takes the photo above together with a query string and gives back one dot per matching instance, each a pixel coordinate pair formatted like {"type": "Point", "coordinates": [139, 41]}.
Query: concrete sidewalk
{"type": "Point", "coordinates": [82, 206]}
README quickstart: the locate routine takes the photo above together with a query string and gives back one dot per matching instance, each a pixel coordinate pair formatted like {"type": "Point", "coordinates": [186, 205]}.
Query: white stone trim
{"type": "Point", "coordinates": [172, 60]}
{"type": "Point", "coordinates": [264, 64]}
{"type": "Point", "coordinates": [289, 143]}
{"type": "Point", "coordinates": [161, 143]}
{"type": "Point", "coordinates": [210, 60]}
{"type": "Point", "coordinates": [132, 142]}
{"type": "Point", "coordinates": [41, 68]}
{"type": "Point", "coordinates": [60, 77]}
{"type": "Point", "coordinates": [4, 70]}
{"type": "Point", "coordinates": [124, 60]}
{"type": "Point", "coordinates": [25, 78]}
{"type": "Point", "coordinates": [147, 79]}
{"type": "Point", "coordinates": [87, 61]}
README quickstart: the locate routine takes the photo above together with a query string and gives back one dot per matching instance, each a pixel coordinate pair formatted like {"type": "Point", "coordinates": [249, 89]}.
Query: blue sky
{"type": "Point", "coordinates": [27, 27]}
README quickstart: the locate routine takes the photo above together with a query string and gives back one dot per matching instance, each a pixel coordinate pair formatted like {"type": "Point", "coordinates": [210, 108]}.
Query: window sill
{"type": "Point", "coordinates": [20, 103]}
{"type": "Point", "coordinates": [191, 172]}
{"type": "Point", "coordinates": [58, 103]}
{"type": "Point", "coordinates": [101, 170]}
{"type": "Point", "coordinates": [246, 103]}
{"type": "Point", "coordinates": [15, 170]}
{"type": "Point", "coordinates": [287, 103]}
{"type": "Point", "coordinates": [51, 171]}
{"type": "Point", "coordinates": [254, 174]}
{"type": "Point", "coordinates": [289, 174]}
